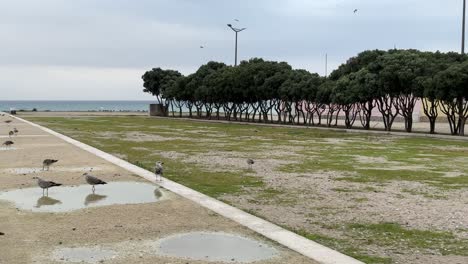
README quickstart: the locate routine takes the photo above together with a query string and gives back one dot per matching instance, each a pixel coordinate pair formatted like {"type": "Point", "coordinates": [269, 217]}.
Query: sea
{"type": "Point", "coordinates": [113, 106]}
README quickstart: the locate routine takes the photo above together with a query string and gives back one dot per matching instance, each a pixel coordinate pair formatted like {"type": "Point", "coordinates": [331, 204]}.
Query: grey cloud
{"type": "Point", "coordinates": [140, 34]}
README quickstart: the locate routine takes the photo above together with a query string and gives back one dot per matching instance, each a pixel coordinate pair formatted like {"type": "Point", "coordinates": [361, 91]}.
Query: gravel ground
{"type": "Point", "coordinates": [32, 237]}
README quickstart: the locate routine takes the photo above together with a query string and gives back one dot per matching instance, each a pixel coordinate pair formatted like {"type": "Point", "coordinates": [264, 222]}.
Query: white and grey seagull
{"type": "Point", "coordinates": [8, 143]}
{"type": "Point", "coordinates": [92, 180]}
{"type": "Point", "coordinates": [45, 185]}
{"type": "Point", "coordinates": [250, 162]}
{"type": "Point", "coordinates": [159, 170]}
{"type": "Point", "coordinates": [47, 162]}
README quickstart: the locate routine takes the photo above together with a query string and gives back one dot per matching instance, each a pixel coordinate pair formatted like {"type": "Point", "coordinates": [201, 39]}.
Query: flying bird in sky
{"type": "Point", "coordinates": [355, 11]}
{"type": "Point", "coordinates": [201, 47]}
{"type": "Point", "coordinates": [236, 20]}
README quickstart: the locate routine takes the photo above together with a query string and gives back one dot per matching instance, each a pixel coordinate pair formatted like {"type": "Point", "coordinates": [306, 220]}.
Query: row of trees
{"type": "Point", "coordinates": [267, 91]}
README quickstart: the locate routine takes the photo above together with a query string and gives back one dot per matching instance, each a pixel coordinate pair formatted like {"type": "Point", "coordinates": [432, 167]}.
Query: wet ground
{"type": "Point", "coordinates": [215, 247]}
{"type": "Point", "coordinates": [71, 198]}
{"type": "Point", "coordinates": [121, 222]}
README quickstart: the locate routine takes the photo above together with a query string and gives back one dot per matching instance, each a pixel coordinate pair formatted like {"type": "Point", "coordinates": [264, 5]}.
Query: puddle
{"type": "Point", "coordinates": [8, 149]}
{"type": "Point", "coordinates": [70, 198]}
{"type": "Point", "coordinates": [52, 168]}
{"type": "Point", "coordinates": [24, 136]}
{"type": "Point", "coordinates": [214, 247]}
{"type": "Point", "coordinates": [86, 255]}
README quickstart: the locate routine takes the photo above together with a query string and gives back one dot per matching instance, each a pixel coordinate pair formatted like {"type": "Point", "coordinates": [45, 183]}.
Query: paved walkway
{"type": "Point", "coordinates": [32, 237]}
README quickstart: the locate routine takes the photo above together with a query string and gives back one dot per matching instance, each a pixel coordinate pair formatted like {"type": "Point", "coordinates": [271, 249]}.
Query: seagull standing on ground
{"type": "Point", "coordinates": [159, 170]}
{"type": "Point", "coordinates": [90, 179]}
{"type": "Point", "coordinates": [11, 133]}
{"type": "Point", "coordinates": [250, 162]}
{"type": "Point", "coordinates": [8, 143]}
{"type": "Point", "coordinates": [47, 162]}
{"type": "Point", "coordinates": [15, 130]}
{"type": "Point", "coordinates": [45, 185]}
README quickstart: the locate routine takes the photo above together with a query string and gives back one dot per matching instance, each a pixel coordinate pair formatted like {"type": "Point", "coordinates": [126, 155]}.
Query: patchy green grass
{"type": "Point", "coordinates": [371, 160]}
{"type": "Point", "coordinates": [394, 235]}
{"type": "Point", "coordinates": [344, 246]}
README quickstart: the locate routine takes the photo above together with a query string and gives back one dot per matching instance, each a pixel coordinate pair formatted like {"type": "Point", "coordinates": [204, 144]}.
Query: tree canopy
{"type": "Point", "coordinates": [268, 91]}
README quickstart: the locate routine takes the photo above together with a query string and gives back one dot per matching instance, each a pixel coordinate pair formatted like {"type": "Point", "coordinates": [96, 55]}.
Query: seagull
{"type": "Point", "coordinates": [250, 162]}
{"type": "Point", "coordinates": [15, 130]}
{"type": "Point", "coordinates": [45, 185]}
{"type": "Point", "coordinates": [90, 179]}
{"type": "Point", "coordinates": [236, 19]}
{"type": "Point", "coordinates": [159, 170]}
{"type": "Point", "coordinates": [201, 47]}
{"type": "Point", "coordinates": [8, 143]}
{"type": "Point", "coordinates": [11, 133]}
{"type": "Point", "coordinates": [47, 162]}
{"type": "Point", "coordinates": [355, 11]}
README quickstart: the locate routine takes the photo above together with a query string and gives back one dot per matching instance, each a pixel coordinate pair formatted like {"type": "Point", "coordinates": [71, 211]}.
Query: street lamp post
{"type": "Point", "coordinates": [463, 28]}
{"type": "Point", "coordinates": [236, 30]}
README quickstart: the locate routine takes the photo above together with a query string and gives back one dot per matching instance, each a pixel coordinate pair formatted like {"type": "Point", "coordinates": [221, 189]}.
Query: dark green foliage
{"type": "Point", "coordinates": [268, 91]}
{"type": "Point", "coordinates": [157, 81]}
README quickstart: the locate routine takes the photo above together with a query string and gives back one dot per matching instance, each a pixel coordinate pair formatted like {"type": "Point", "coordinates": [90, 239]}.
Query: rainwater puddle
{"type": "Point", "coordinates": [70, 198]}
{"type": "Point", "coordinates": [214, 247]}
{"type": "Point", "coordinates": [52, 168]}
{"type": "Point", "coordinates": [17, 136]}
{"type": "Point", "coordinates": [86, 255]}
{"type": "Point", "coordinates": [8, 149]}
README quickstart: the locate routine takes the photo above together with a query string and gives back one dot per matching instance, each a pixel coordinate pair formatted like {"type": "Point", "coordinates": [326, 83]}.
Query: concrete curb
{"type": "Point", "coordinates": [278, 234]}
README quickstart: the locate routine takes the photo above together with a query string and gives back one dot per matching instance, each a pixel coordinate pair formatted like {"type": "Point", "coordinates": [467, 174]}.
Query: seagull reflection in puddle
{"type": "Point", "coordinates": [46, 201]}
{"type": "Point", "coordinates": [94, 198]}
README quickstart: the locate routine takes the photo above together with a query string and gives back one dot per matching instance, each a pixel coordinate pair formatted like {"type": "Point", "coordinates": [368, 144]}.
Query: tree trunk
{"type": "Point", "coordinates": [389, 110]}
{"type": "Point", "coordinates": [430, 107]}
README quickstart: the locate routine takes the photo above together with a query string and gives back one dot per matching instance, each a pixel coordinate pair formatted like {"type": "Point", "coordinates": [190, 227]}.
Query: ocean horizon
{"type": "Point", "coordinates": [76, 105]}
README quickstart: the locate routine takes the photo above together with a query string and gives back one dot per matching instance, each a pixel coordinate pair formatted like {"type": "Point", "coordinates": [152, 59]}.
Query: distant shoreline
{"type": "Point", "coordinates": [75, 106]}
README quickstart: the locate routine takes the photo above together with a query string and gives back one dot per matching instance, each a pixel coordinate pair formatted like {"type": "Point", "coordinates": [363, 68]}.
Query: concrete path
{"type": "Point", "coordinates": [34, 237]}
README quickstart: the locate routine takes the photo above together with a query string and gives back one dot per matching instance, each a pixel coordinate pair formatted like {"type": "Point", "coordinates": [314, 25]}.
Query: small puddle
{"type": "Point", "coordinates": [52, 168]}
{"type": "Point", "coordinates": [70, 198]}
{"type": "Point", "coordinates": [86, 255]}
{"type": "Point", "coordinates": [214, 247]}
{"type": "Point", "coordinates": [8, 149]}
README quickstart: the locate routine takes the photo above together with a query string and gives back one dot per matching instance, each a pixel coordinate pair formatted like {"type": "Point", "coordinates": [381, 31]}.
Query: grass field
{"type": "Point", "coordinates": [376, 197]}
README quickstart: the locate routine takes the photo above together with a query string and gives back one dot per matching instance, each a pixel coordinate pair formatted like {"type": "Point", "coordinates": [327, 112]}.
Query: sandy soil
{"type": "Point", "coordinates": [32, 237]}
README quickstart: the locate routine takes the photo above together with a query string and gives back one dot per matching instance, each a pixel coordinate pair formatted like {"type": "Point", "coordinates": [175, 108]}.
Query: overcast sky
{"type": "Point", "coordinates": [98, 49]}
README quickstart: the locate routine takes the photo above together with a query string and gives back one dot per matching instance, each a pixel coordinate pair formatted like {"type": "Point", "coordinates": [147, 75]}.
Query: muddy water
{"type": "Point", "coordinates": [70, 198]}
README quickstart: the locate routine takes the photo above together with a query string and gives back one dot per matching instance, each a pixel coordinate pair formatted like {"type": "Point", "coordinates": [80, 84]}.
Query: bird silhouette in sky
{"type": "Point", "coordinates": [355, 11]}
{"type": "Point", "coordinates": [201, 47]}
{"type": "Point", "coordinates": [236, 19]}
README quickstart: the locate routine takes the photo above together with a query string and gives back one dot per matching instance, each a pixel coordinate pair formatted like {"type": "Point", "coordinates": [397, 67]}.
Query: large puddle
{"type": "Point", "coordinates": [214, 247]}
{"type": "Point", "coordinates": [70, 198]}
{"type": "Point", "coordinates": [86, 255]}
